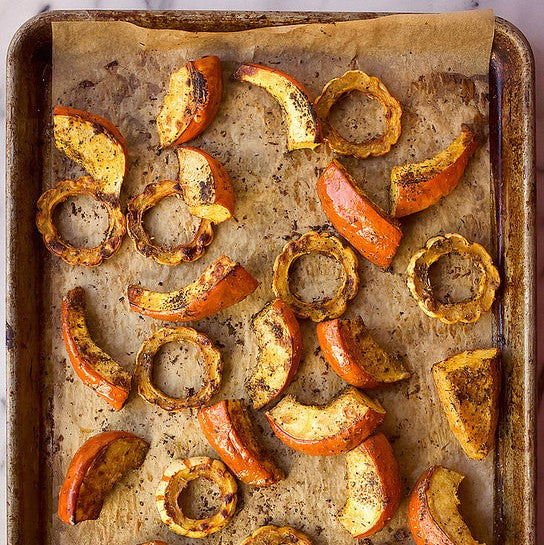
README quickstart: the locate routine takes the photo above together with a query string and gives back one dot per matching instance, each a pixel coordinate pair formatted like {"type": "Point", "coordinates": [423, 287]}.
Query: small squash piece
{"type": "Point", "coordinates": [374, 487]}
{"type": "Point", "coordinates": [276, 535]}
{"type": "Point", "coordinates": [326, 430]}
{"type": "Point", "coordinates": [420, 285]}
{"type": "Point", "coordinates": [304, 129]}
{"type": "Point", "coordinates": [433, 514]}
{"type": "Point", "coordinates": [212, 366]}
{"type": "Point", "coordinates": [93, 366]}
{"type": "Point", "coordinates": [416, 186]}
{"type": "Point", "coordinates": [280, 348]}
{"type": "Point", "coordinates": [222, 284]}
{"type": "Point", "coordinates": [206, 186]}
{"type": "Point", "coordinates": [357, 80]}
{"type": "Point", "coordinates": [362, 223]}
{"type": "Point", "coordinates": [327, 245]}
{"type": "Point", "coordinates": [230, 432]}
{"type": "Point", "coordinates": [193, 98]}
{"type": "Point", "coordinates": [175, 480]}
{"type": "Point", "coordinates": [468, 385]}
{"type": "Point", "coordinates": [354, 355]}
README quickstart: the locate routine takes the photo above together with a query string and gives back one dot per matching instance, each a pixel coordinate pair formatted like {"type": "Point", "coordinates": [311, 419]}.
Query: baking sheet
{"type": "Point", "coordinates": [437, 67]}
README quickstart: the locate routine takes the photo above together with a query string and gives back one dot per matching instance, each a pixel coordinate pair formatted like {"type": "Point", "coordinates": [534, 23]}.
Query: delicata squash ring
{"type": "Point", "coordinates": [422, 290]}
{"type": "Point", "coordinates": [143, 371]}
{"type": "Point", "coordinates": [327, 245]}
{"type": "Point", "coordinates": [357, 80]}
{"type": "Point", "coordinates": [89, 257]}
{"type": "Point", "coordinates": [175, 255]}
{"type": "Point", "coordinates": [174, 481]}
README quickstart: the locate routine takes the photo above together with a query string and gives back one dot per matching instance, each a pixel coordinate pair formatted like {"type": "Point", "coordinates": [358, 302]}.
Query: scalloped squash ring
{"type": "Point", "coordinates": [89, 257]}
{"type": "Point", "coordinates": [174, 255]}
{"type": "Point", "coordinates": [357, 80]}
{"type": "Point", "coordinates": [422, 290]}
{"type": "Point", "coordinates": [212, 367]}
{"type": "Point", "coordinates": [327, 245]}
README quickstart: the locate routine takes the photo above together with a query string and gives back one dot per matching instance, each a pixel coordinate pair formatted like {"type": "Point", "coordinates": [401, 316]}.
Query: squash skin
{"type": "Point", "coordinates": [224, 283]}
{"type": "Point", "coordinates": [424, 524]}
{"type": "Point", "coordinates": [361, 222]}
{"type": "Point", "coordinates": [229, 431]}
{"type": "Point", "coordinates": [304, 127]}
{"type": "Point", "coordinates": [208, 192]}
{"type": "Point", "coordinates": [468, 385]}
{"type": "Point", "coordinates": [385, 468]}
{"type": "Point", "coordinates": [275, 535]}
{"type": "Point", "coordinates": [357, 80]}
{"type": "Point", "coordinates": [324, 244]}
{"type": "Point", "coordinates": [174, 480]}
{"type": "Point", "coordinates": [275, 325]}
{"type": "Point", "coordinates": [114, 385]}
{"type": "Point", "coordinates": [416, 186]}
{"type": "Point", "coordinates": [347, 345]}
{"type": "Point", "coordinates": [347, 438]}
{"type": "Point", "coordinates": [205, 80]}
{"type": "Point", "coordinates": [89, 454]}
{"type": "Point", "coordinates": [420, 287]}
{"type": "Point", "coordinates": [143, 370]}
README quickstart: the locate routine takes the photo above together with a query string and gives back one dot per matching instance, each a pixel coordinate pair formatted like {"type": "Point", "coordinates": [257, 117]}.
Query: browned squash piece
{"type": "Point", "coordinates": [416, 186]}
{"type": "Point", "coordinates": [94, 470]}
{"type": "Point", "coordinates": [468, 385]}
{"type": "Point", "coordinates": [433, 512]}
{"type": "Point", "coordinates": [280, 348]}
{"type": "Point", "coordinates": [304, 130]}
{"type": "Point", "coordinates": [276, 535]}
{"type": "Point", "coordinates": [172, 485]}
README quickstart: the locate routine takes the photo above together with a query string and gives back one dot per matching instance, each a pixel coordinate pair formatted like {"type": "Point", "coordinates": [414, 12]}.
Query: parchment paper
{"type": "Point", "coordinates": [437, 66]}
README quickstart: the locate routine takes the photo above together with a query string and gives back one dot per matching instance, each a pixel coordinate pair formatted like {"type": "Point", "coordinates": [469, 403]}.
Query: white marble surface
{"type": "Point", "coordinates": [528, 15]}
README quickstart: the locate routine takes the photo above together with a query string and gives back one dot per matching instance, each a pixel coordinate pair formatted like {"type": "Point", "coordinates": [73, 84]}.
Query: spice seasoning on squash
{"type": "Point", "coordinates": [416, 186]}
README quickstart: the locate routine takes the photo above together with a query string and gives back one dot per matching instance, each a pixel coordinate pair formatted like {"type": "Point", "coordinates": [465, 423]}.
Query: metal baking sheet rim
{"type": "Point", "coordinates": [512, 134]}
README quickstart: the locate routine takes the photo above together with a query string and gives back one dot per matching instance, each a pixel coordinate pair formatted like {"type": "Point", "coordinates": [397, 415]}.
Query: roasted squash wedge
{"type": "Point", "coordinates": [416, 186]}
{"type": "Point", "coordinates": [356, 80]}
{"type": "Point", "coordinates": [468, 385]}
{"type": "Point", "coordinates": [432, 511]}
{"type": "Point", "coordinates": [327, 245]}
{"type": "Point", "coordinates": [96, 467]}
{"type": "Point", "coordinates": [354, 355]}
{"type": "Point", "coordinates": [212, 366]}
{"type": "Point", "coordinates": [222, 284]}
{"type": "Point", "coordinates": [175, 480]}
{"type": "Point", "coordinates": [335, 428]}
{"type": "Point", "coordinates": [165, 255]}
{"type": "Point", "coordinates": [374, 487]}
{"type": "Point", "coordinates": [420, 285]}
{"type": "Point", "coordinates": [362, 223]}
{"type": "Point", "coordinates": [304, 129]}
{"type": "Point", "coordinates": [93, 366]}
{"type": "Point", "coordinates": [206, 186]}
{"type": "Point", "coordinates": [95, 144]}
{"type": "Point", "coordinates": [229, 431]}
{"type": "Point", "coordinates": [276, 535]}
{"type": "Point", "coordinates": [193, 98]}
{"type": "Point", "coordinates": [280, 348]}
